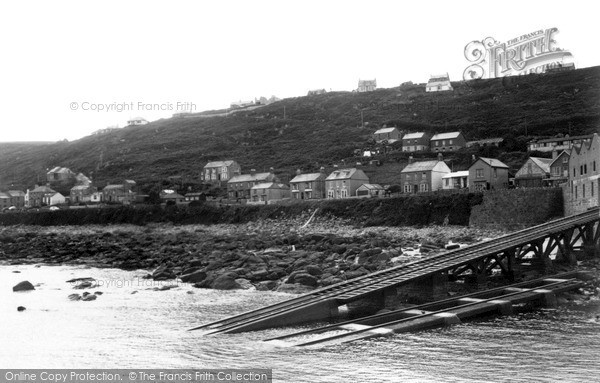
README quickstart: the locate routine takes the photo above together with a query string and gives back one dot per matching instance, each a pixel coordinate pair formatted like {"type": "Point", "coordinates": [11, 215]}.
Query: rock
{"type": "Point", "coordinates": [80, 279]}
{"type": "Point", "coordinates": [266, 285]}
{"type": "Point", "coordinates": [74, 297]}
{"type": "Point", "coordinates": [98, 293]}
{"type": "Point", "coordinates": [244, 284]}
{"type": "Point", "coordinates": [84, 285]}
{"type": "Point", "coordinates": [190, 292]}
{"type": "Point", "coordinates": [21, 308]}
{"type": "Point", "coordinates": [313, 270]}
{"type": "Point", "coordinates": [258, 275]}
{"type": "Point", "coordinates": [452, 246]}
{"type": "Point", "coordinates": [226, 282]}
{"type": "Point", "coordinates": [305, 279]}
{"type": "Point", "coordinates": [190, 270]}
{"type": "Point", "coordinates": [162, 273]}
{"type": "Point", "coordinates": [23, 286]}
{"type": "Point", "coordinates": [194, 277]}
{"type": "Point", "coordinates": [134, 292]}
{"type": "Point", "coordinates": [16, 271]}
{"type": "Point", "coordinates": [89, 297]}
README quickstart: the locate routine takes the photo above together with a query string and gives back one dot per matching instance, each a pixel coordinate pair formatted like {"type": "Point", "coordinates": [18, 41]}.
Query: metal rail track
{"type": "Point", "coordinates": [350, 290]}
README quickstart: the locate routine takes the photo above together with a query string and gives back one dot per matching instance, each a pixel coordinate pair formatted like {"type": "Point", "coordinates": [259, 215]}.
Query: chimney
{"type": "Point", "coordinates": [554, 154]}
{"type": "Point", "coordinates": [322, 170]}
{"type": "Point", "coordinates": [252, 172]}
{"type": "Point", "coordinates": [473, 158]}
{"type": "Point", "coordinates": [440, 157]}
{"type": "Point", "coordinates": [410, 159]}
{"type": "Point", "coordinates": [298, 172]}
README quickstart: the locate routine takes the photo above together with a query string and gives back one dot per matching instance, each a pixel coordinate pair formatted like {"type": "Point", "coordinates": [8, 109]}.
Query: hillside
{"type": "Point", "coordinates": [322, 130]}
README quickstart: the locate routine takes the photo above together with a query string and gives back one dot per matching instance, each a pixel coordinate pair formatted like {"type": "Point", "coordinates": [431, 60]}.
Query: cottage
{"type": "Point", "coordinates": [558, 144]}
{"type": "Point", "coordinates": [581, 192]}
{"type": "Point", "coordinates": [308, 186]}
{"type": "Point", "coordinates": [241, 104]}
{"type": "Point", "coordinates": [387, 134]}
{"type": "Point", "coordinates": [486, 142]}
{"type": "Point", "coordinates": [238, 187]}
{"type": "Point", "coordinates": [217, 171]}
{"type": "Point", "coordinates": [415, 142]}
{"type": "Point", "coordinates": [269, 192]}
{"type": "Point", "coordinates": [35, 197]}
{"type": "Point", "coordinates": [51, 199]}
{"type": "Point", "coordinates": [456, 180]}
{"type": "Point", "coordinates": [367, 85]}
{"type": "Point", "coordinates": [137, 121]}
{"type": "Point", "coordinates": [172, 198]}
{"type": "Point", "coordinates": [315, 92]}
{"type": "Point", "coordinates": [17, 198]}
{"type": "Point", "coordinates": [120, 193]}
{"type": "Point", "coordinates": [423, 176]}
{"type": "Point", "coordinates": [438, 83]}
{"type": "Point", "coordinates": [534, 173]}
{"type": "Point", "coordinates": [195, 196]}
{"type": "Point", "coordinates": [488, 174]}
{"type": "Point", "coordinates": [5, 200]}
{"type": "Point", "coordinates": [447, 142]}
{"type": "Point", "coordinates": [82, 193]}
{"type": "Point", "coordinates": [370, 190]}
{"type": "Point", "coordinates": [559, 167]}
{"type": "Point", "coordinates": [344, 182]}
{"type": "Point", "coordinates": [60, 174]}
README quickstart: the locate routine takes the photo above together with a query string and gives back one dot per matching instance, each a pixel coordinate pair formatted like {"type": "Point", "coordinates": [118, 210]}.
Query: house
{"type": "Point", "coordinates": [315, 92]}
{"type": "Point", "coordinates": [447, 142]}
{"type": "Point", "coordinates": [172, 198]}
{"type": "Point", "coordinates": [486, 142]}
{"type": "Point", "coordinates": [60, 174]}
{"type": "Point", "coordinates": [344, 182]}
{"type": "Point", "coordinates": [558, 144]}
{"type": "Point", "coordinates": [17, 198]}
{"type": "Point", "coordinates": [423, 176]}
{"type": "Point", "coordinates": [534, 173]}
{"type": "Point", "coordinates": [241, 104]}
{"type": "Point", "coordinates": [370, 190]}
{"type": "Point", "coordinates": [55, 198]}
{"type": "Point", "coordinates": [82, 193]}
{"type": "Point", "coordinates": [438, 83]}
{"type": "Point", "coordinates": [195, 197]}
{"type": "Point", "coordinates": [35, 197]}
{"type": "Point", "coordinates": [559, 167]}
{"type": "Point", "coordinates": [96, 197]}
{"type": "Point", "coordinates": [387, 134]}
{"type": "Point", "coordinates": [488, 174]}
{"type": "Point", "coordinates": [581, 192]}
{"type": "Point", "coordinates": [415, 142]}
{"type": "Point", "coordinates": [268, 192]}
{"type": "Point", "coordinates": [217, 171]}
{"type": "Point", "coordinates": [367, 85]}
{"type": "Point", "coordinates": [238, 187]}
{"type": "Point", "coordinates": [308, 186]}
{"type": "Point", "coordinates": [456, 180]}
{"type": "Point", "coordinates": [137, 121]}
{"type": "Point", "coordinates": [5, 200]}
{"type": "Point", "coordinates": [123, 193]}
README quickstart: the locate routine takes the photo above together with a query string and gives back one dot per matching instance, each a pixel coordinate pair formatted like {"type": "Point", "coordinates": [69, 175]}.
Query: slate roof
{"type": "Point", "coordinates": [371, 186]}
{"type": "Point", "coordinates": [411, 136]}
{"type": "Point", "coordinates": [445, 136]}
{"type": "Point", "coordinates": [494, 162]}
{"type": "Point", "coordinates": [543, 163]}
{"type": "Point", "coordinates": [385, 130]}
{"type": "Point", "coordinates": [250, 177]}
{"type": "Point", "coordinates": [420, 166]}
{"type": "Point", "coordinates": [343, 174]}
{"type": "Point", "coordinates": [218, 164]}
{"type": "Point", "coordinates": [270, 185]}
{"type": "Point", "coordinates": [308, 177]}
{"type": "Point", "coordinates": [462, 173]}
{"type": "Point", "coordinates": [43, 189]}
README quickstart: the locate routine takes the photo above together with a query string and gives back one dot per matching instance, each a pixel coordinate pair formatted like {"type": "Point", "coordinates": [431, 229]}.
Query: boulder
{"type": "Point", "coordinates": [194, 277]}
{"type": "Point", "coordinates": [226, 282]}
{"type": "Point", "coordinates": [294, 288]}
{"type": "Point", "coordinates": [244, 284]}
{"type": "Point", "coordinates": [23, 286]}
{"type": "Point", "coordinates": [305, 279]}
{"type": "Point", "coordinates": [89, 297]}
{"type": "Point", "coordinates": [21, 308]}
{"type": "Point", "coordinates": [266, 285]}
{"type": "Point", "coordinates": [84, 285]}
{"type": "Point", "coordinates": [313, 270]}
{"type": "Point", "coordinates": [74, 297]}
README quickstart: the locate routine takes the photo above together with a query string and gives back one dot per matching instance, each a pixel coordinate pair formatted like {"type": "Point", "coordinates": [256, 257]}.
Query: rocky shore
{"type": "Point", "coordinates": [281, 255]}
{"type": "Point", "coordinates": [266, 255]}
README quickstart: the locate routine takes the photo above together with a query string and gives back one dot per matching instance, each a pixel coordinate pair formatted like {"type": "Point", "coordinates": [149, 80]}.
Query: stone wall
{"type": "Point", "coordinates": [580, 203]}
{"type": "Point", "coordinates": [515, 209]}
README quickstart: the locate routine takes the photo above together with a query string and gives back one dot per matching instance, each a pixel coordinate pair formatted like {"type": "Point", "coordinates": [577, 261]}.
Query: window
{"type": "Point", "coordinates": [437, 143]}
{"type": "Point", "coordinates": [450, 142]}
{"type": "Point", "coordinates": [330, 193]}
{"type": "Point", "coordinates": [574, 171]}
{"type": "Point", "coordinates": [565, 160]}
{"type": "Point", "coordinates": [447, 182]}
{"type": "Point", "coordinates": [423, 187]}
{"type": "Point", "coordinates": [478, 173]}
{"type": "Point", "coordinates": [575, 191]}
{"type": "Point", "coordinates": [583, 191]}
{"type": "Point", "coordinates": [594, 166]}
{"type": "Point", "coordinates": [592, 184]}
{"type": "Point", "coordinates": [407, 188]}
{"type": "Point", "coordinates": [584, 168]}
{"type": "Point", "coordinates": [344, 193]}
{"type": "Point", "coordinates": [423, 175]}
{"type": "Point", "coordinates": [495, 173]}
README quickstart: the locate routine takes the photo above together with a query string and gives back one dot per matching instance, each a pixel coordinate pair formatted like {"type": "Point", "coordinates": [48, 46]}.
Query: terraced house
{"type": "Point", "coordinates": [488, 174]}
{"type": "Point", "coordinates": [415, 142]}
{"type": "Point", "coordinates": [308, 186]}
{"type": "Point", "coordinates": [240, 186]}
{"type": "Point", "coordinates": [447, 142]}
{"type": "Point", "coordinates": [581, 192]}
{"type": "Point", "coordinates": [343, 183]}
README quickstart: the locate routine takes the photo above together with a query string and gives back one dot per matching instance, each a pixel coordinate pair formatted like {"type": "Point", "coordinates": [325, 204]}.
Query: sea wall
{"type": "Point", "coordinates": [514, 209]}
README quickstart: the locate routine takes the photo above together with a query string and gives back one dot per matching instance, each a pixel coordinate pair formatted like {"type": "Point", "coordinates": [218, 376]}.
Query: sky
{"type": "Point", "coordinates": [69, 68]}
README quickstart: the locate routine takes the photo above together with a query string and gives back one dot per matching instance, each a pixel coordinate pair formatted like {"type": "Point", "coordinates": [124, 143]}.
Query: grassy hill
{"type": "Point", "coordinates": [323, 130]}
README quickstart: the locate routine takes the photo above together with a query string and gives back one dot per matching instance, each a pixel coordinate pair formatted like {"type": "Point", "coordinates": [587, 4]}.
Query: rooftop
{"type": "Point", "coordinates": [494, 162]}
{"type": "Point", "coordinates": [410, 136]}
{"type": "Point", "coordinates": [250, 177]}
{"type": "Point", "coordinates": [420, 166]}
{"type": "Point", "coordinates": [308, 177]}
{"type": "Point", "coordinates": [445, 136]}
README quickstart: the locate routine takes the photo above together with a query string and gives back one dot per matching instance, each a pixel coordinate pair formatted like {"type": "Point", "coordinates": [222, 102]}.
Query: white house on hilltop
{"type": "Point", "coordinates": [137, 121]}
{"type": "Point", "coordinates": [438, 83]}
